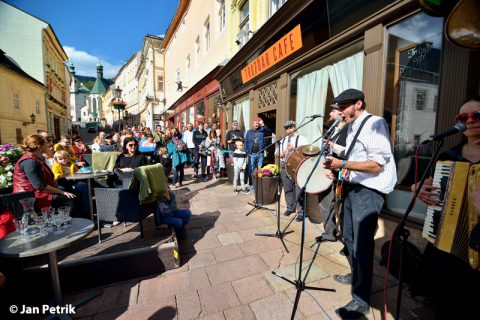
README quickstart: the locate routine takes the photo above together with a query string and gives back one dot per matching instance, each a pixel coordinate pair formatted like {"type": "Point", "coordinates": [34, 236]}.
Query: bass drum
{"type": "Point", "coordinates": [293, 160]}
{"type": "Point", "coordinates": [319, 181]}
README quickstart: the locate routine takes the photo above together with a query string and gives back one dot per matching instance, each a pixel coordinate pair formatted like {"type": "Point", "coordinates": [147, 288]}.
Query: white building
{"type": "Point", "coordinates": [150, 77]}
{"type": "Point", "coordinates": [78, 96]}
{"type": "Point", "coordinates": [127, 81]}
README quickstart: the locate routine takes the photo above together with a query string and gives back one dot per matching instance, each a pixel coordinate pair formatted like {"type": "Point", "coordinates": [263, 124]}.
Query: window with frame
{"type": "Point", "coordinates": [221, 16]}
{"type": "Point", "coordinates": [413, 54]}
{"type": "Point", "coordinates": [187, 67]}
{"type": "Point", "coordinates": [420, 100]}
{"type": "Point", "coordinates": [244, 24]}
{"type": "Point", "coordinates": [37, 106]}
{"type": "Point", "coordinates": [206, 30]}
{"type": "Point", "coordinates": [274, 6]}
{"type": "Point", "coordinates": [199, 112]}
{"type": "Point", "coordinates": [15, 101]}
{"type": "Point", "coordinates": [197, 51]}
{"type": "Point", "coordinates": [177, 74]}
{"type": "Point", "coordinates": [160, 83]}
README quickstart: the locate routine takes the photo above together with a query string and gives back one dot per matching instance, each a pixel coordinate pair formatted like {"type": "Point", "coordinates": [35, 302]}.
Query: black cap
{"type": "Point", "coordinates": [349, 95]}
{"type": "Point", "coordinates": [108, 136]}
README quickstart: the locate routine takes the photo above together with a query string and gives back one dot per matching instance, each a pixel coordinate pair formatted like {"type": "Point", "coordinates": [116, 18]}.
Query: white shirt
{"type": "Point", "coordinates": [188, 139]}
{"type": "Point", "coordinates": [373, 144]}
{"type": "Point", "coordinates": [302, 141]}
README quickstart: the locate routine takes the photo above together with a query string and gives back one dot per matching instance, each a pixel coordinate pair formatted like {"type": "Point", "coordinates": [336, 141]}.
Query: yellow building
{"type": "Point", "coordinates": [54, 57]}
{"type": "Point", "coordinates": [22, 98]}
{"type": "Point", "coordinates": [108, 116]}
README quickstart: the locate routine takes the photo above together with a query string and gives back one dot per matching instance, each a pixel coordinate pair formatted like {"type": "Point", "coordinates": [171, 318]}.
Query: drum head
{"type": "Point", "coordinates": [318, 182]}
{"type": "Point", "coordinates": [310, 150]}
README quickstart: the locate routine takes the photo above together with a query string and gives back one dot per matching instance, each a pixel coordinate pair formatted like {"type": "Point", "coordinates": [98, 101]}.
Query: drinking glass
{"type": "Point", "coordinates": [21, 227]}
{"type": "Point", "coordinates": [66, 216]}
{"type": "Point", "coordinates": [58, 220]}
{"type": "Point", "coordinates": [48, 213]}
{"type": "Point", "coordinates": [41, 221]}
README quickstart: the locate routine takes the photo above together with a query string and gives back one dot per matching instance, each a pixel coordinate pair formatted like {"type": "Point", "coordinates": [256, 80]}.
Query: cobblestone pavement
{"type": "Point", "coordinates": [225, 270]}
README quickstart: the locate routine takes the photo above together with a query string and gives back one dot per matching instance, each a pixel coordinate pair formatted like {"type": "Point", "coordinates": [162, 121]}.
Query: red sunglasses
{"type": "Point", "coordinates": [463, 117]}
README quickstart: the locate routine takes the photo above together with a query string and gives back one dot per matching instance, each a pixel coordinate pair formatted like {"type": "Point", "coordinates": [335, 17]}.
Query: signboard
{"type": "Point", "coordinates": [157, 117]}
{"type": "Point", "coordinates": [284, 47]}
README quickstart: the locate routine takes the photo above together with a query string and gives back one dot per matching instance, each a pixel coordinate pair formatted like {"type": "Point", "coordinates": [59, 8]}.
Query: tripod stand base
{"type": "Point", "coordinates": [279, 234]}
{"type": "Point", "coordinates": [255, 207]}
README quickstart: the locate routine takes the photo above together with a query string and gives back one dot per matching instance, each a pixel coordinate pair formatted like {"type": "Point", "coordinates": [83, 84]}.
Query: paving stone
{"type": "Point", "coordinates": [188, 305]}
{"type": "Point", "coordinates": [322, 249]}
{"type": "Point", "coordinates": [275, 307]}
{"type": "Point", "coordinates": [111, 298]}
{"type": "Point", "coordinates": [251, 289]}
{"type": "Point", "coordinates": [229, 238]}
{"type": "Point", "coordinates": [227, 253]}
{"type": "Point", "coordinates": [248, 234]}
{"type": "Point", "coordinates": [214, 316]}
{"type": "Point", "coordinates": [227, 211]}
{"type": "Point", "coordinates": [214, 231]}
{"type": "Point", "coordinates": [218, 298]}
{"type": "Point", "coordinates": [273, 258]}
{"type": "Point", "coordinates": [163, 309]}
{"type": "Point", "coordinates": [240, 313]}
{"type": "Point", "coordinates": [238, 217]}
{"type": "Point", "coordinates": [194, 234]}
{"type": "Point", "coordinates": [199, 203]}
{"type": "Point", "coordinates": [200, 259]}
{"type": "Point", "coordinates": [235, 269]}
{"type": "Point", "coordinates": [108, 315]}
{"type": "Point", "coordinates": [269, 220]}
{"type": "Point", "coordinates": [243, 224]}
{"type": "Point", "coordinates": [253, 246]}
{"type": "Point", "coordinates": [155, 289]}
{"type": "Point", "coordinates": [231, 204]}
{"type": "Point", "coordinates": [278, 284]}
{"type": "Point", "coordinates": [198, 223]}
{"type": "Point", "coordinates": [207, 243]}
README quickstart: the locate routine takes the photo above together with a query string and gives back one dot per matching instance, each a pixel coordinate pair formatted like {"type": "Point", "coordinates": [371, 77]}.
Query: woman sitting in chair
{"type": "Point", "coordinates": [130, 158]}
{"type": "Point", "coordinates": [149, 142]}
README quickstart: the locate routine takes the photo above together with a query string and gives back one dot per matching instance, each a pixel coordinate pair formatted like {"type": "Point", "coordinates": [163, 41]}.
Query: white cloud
{"type": "Point", "coordinates": [85, 64]}
{"type": "Point", "coordinates": [419, 28]}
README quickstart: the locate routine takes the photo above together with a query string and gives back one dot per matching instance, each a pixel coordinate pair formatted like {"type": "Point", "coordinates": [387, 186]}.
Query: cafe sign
{"type": "Point", "coordinates": [284, 47]}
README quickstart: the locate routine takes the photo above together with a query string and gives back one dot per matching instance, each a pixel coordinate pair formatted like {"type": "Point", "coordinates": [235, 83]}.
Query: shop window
{"type": "Point", "coordinates": [313, 87]}
{"type": "Point", "coordinates": [213, 110]}
{"type": "Point", "coordinates": [199, 112]}
{"type": "Point", "coordinates": [190, 115]}
{"type": "Point", "coordinates": [15, 101]}
{"type": "Point", "coordinates": [184, 119]}
{"type": "Point", "coordinates": [241, 113]}
{"type": "Point", "coordinates": [411, 87]}
{"type": "Point", "coordinates": [274, 6]}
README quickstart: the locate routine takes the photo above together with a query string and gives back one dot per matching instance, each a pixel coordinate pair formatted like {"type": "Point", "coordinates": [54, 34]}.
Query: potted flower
{"type": "Point", "coordinates": [266, 184]}
{"type": "Point", "coordinates": [13, 153]}
{"type": "Point", "coordinates": [6, 179]}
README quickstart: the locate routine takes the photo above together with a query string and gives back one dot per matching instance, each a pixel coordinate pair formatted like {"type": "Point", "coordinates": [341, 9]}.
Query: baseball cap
{"type": "Point", "coordinates": [256, 120]}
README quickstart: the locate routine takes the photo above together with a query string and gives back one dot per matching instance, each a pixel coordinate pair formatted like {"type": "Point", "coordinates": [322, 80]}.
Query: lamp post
{"type": "Point", "coordinates": [32, 117]}
{"type": "Point", "coordinates": [118, 94]}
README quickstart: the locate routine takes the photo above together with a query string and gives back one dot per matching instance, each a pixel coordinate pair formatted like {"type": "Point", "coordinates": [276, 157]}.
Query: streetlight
{"type": "Point", "coordinates": [118, 94]}
{"type": "Point", "coordinates": [32, 117]}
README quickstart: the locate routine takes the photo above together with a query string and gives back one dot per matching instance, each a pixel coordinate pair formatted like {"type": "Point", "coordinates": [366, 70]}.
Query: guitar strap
{"type": "Point", "coordinates": [356, 137]}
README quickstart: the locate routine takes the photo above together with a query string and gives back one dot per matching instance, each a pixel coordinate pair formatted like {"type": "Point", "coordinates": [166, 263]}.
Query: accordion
{"type": "Point", "coordinates": [449, 223]}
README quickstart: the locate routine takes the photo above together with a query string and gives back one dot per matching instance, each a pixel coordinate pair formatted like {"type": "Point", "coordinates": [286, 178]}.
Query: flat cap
{"type": "Point", "coordinates": [290, 123]}
{"type": "Point", "coordinates": [349, 95]}
{"type": "Point", "coordinates": [334, 106]}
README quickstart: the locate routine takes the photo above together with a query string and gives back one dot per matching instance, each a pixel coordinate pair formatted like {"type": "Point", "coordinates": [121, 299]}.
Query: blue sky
{"type": "Point", "coordinates": [111, 30]}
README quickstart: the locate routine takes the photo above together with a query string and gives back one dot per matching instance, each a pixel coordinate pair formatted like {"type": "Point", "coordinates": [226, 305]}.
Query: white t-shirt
{"type": "Point", "coordinates": [302, 141]}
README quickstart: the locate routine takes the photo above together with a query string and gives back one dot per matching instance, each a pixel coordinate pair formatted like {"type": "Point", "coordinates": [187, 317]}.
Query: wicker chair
{"type": "Point", "coordinates": [11, 202]}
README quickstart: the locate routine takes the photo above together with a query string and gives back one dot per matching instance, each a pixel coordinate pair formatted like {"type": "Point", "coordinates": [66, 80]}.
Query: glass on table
{"type": "Point", "coordinates": [41, 221]}
{"type": "Point", "coordinates": [58, 221]}
{"type": "Point", "coordinates": [66, 216]}
{"type": "Point", "coordinates": [49, 212]}
{"type": "Point", "coordinates": [21, 227]}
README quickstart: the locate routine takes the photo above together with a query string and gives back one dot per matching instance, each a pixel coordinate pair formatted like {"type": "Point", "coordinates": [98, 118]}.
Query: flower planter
{"type": "Point", "coordinates": [231, 174]}
{"type": "Point", "coordinates": [266, 189]}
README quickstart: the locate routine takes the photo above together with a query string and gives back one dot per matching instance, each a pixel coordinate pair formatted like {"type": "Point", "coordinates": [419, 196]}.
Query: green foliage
{"type": "Point", "coordinates": [89, 85]}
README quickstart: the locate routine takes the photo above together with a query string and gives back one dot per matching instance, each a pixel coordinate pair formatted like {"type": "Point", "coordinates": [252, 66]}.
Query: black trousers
{"type": "Point", "coordinates": [361, 208]}
{"type": "Point", "coordinates": [291, 191]}
{"type": "Point", "coordinates": [196, 160]}
{"type": "Point", "coordinates": [326, 204]}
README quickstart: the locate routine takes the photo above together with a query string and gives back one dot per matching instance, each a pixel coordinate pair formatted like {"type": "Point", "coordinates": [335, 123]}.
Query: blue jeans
{"type": "Point", "coordinates": [178, 170]}
{"type": "Point", "coordinates": [178, 220]}
{"type": "Point", "coordinates": [80, 188]}
{"type": "Point", "coordinates": [252, 166]}
{"type": "Point", "coordinates": [230, 154]}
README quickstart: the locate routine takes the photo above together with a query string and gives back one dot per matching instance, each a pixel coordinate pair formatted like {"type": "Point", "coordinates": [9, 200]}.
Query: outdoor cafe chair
{"type": "Point", "coordinates": [11, 202]}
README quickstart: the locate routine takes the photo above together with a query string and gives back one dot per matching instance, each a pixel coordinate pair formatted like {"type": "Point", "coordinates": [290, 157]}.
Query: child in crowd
{"type": "Point", "coordinates": [161, 158]}
{"type": "Point", "coordinates": [239, 165]}
{"type": "Point", "coordinates": [62, 164]}
{"type": "Point", "coordinates": [171, 216]}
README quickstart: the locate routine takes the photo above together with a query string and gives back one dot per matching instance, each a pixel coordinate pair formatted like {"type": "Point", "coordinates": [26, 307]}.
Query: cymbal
{"type": "Point", "coordinates": [310, 150]}
{"type": "Point", "coordinates": [462, 27]}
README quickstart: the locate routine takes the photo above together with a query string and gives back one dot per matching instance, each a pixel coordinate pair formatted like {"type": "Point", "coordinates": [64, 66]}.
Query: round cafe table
{"type": "Point", "coordinates": [11, 248]}
{"type": "Point", "coordinates": [88, 177]}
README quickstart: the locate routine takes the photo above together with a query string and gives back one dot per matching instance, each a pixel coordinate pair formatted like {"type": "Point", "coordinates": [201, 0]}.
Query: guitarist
{"type": "Point", "coordinates": [288, 145]}
{"type": "Point", "coordinates": [326, 199]}
{"type": "Point", "coordinates": [372, 175]}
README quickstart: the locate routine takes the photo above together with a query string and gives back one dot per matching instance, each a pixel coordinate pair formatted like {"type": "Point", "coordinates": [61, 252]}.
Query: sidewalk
{"type": "Point", "coordinates": [225, 270]}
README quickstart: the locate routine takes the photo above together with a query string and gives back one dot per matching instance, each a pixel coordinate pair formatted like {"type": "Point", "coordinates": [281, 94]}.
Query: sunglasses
{"type": "Point", "coordinates": [77, 140]}
{"type": "Point", "coordinates": [235, 124]}
{"type": "Point", "coordinates": [463, 117]}
{"type": "Point", "coordinates": [131, 145]}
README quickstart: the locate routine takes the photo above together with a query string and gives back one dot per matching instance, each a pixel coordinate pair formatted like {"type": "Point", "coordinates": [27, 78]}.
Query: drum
{"type": "Point", "coordinates": [293, 160]}
{"type": "Point", "coordinates": [318, 182]}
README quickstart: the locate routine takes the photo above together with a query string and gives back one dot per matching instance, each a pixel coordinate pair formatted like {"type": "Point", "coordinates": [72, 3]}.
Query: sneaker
{"type": "Point", "coordinates": [195, 176]}
{"type": "Point", "coordinates": [288, 212]}
{"type": "Point", "coordinates": [214, 178]}
{"type": "Point", "coordinates": [250, 188]}
{"type": "Point", "coordinates": [344, 279]}
{"type": "Point", "coordinates": [245, 191]}
{"type": "Point", "coordinates": [235, 191]}
{"type": "Point", "coordinates": [116, 223]}
{"type": "Point", "coordinates": [206, 179]}
{"type": "Point", "coordinates": [352, 311]}
{"type": "Point", "coordinates": [299, 217]}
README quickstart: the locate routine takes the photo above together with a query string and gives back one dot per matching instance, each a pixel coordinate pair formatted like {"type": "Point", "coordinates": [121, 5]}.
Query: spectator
{"type": "Point", "coordinates": [48, 156]}
{"type": "Point", "coordinates": [215, 159]}
{"type": "Point", "coordinates": [199, 139]}
{"type": "Point", "coordinates": [130, 158]}
{"type": "Point", "coordinates": [217, 130]}
{"type": "Point", "coordinates": [179, 159]}
{"type": "Point", "coordinates": [101, 135]}
{"type": "Point", "coordinates": [254, 142]}
{"type": "Point", "coordinates": [116, 136]}
{"type": "Point", "coordinates": [188, 139]}
{"type": "Point", "coordinates": [65, 144]}
{"type": "Point", "coordinates": [232, 136]}
{"type": "Point", "coordinates": [115, 145]}
{"type": "Point", "coordinates": [97, 144]}
{"type": "Point", "coordinates": [158, 136]}
{"type": "Point", "coordinates": [149, 142]}
{"type": "Point", "coordinates": [80, 148]}
{"type": "Point", "coordinates": [206, 128]}
{"type": "Point", "coordinates": [45, 134]}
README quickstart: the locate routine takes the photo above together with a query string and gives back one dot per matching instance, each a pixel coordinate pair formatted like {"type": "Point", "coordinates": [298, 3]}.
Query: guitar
{"type": "Point", "coordinates": [340, 187]}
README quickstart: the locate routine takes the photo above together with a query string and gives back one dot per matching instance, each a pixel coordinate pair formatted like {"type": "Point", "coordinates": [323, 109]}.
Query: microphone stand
{"type": "Point", "coordinates": [300, 284]}
{"type": "Point", "coordinates": [401, 234]}
{"type": "Point", "coordinates": [280, 234]}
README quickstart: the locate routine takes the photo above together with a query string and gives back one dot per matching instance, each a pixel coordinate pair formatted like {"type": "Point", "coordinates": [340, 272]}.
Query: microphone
{"type": "Point", "coordinates": [334, 125]}
{"type": "Point", "coordinates": [316, 116]}
{"type": "Point", "coordinates": [460, 127]}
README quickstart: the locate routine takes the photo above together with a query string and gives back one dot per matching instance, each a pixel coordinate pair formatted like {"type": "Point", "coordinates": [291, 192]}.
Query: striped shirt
{"type": "Point", "coordinates": [302, 141]}
{"type": "Point", "coordinates": [373, 144]}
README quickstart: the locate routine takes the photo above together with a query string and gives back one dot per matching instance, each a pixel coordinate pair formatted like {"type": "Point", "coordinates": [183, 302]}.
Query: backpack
{"type": "Point", "coordinates": [180, 145]}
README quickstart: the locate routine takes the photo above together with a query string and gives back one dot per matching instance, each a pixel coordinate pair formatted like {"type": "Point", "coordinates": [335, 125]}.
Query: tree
{"type": "Point", "coordinates": [89, 85]}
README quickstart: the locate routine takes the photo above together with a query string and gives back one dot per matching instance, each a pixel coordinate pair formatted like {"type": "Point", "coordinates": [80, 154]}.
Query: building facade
{"type": "Point", "coordinates": [21, 96]}
{"type": "Point", "coordinates": [150, 77]}
{"type": "Point", "coordinates": [32, 43]}
{"type": "Point", "coordinates": [311, 50]}
{"type": "Point", "coordinates": [196, 46]}
{"type": "Point", "coordinates": [127, 81]}
{"type": "Point", "coordinates": [78, 97]}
